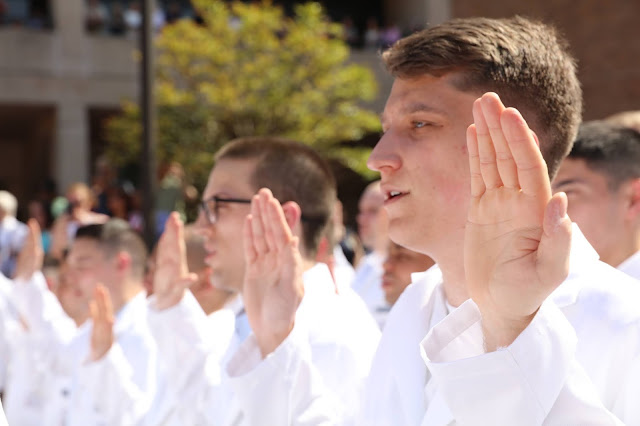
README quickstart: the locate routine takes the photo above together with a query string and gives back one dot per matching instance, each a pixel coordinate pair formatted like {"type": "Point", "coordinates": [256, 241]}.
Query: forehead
{"type": "Point", "coordinates": [428, 93]}
{"type": "Point", "coordinates": [231, 177]}
{"type": "Point", "coordinates": [577, 169]}
{"type": "Point", "coordinates": [84, 249]}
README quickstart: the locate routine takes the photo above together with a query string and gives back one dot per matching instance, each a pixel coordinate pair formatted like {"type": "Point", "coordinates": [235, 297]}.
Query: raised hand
{"type": "Point", "coordinates": [31, 256]}
{"type": "Point", "coordinates": [102, 336]}
{"type": "Point", "coordinates": [518, 237]}
{"type": "Point", "coordinates": [273, 287]}
{"type": "Point", "coordinates": [172, 277]}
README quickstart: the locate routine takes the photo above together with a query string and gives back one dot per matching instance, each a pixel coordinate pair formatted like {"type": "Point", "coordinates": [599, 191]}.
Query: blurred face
{"type": "Point", "coordinates": [117, 204]}
{"type": "Point", "coordinates": [369, 211]}
{"type": "Point", "coordinates": [398, 267]}
{"type": "Point", "coordinates": [598, 211]}
{"type": "Point", "coordinates": [36, 211]}
{"type": "Point", "coordinates": [79, 199]}
{"type": "Point", "coordinates": [71, 300]}
{"type": "Point", "coordinates": [223, 239]}
{"type": "Point", "coordinates": [88, 266]}
{"type": "Point", "coordinates": [423, 163]}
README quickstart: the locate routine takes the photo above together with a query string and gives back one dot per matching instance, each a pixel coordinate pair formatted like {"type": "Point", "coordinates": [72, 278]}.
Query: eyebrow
{"type": "Point", "coordinates": [567, 182]}
{"type": "Point", "coordinates": [421, 107]}
{"type": "Point", "coordinates": [414, 107]}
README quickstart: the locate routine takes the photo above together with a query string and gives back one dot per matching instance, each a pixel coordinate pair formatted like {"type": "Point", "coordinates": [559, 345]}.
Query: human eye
{"type": "Point", "coordinates": [421, 124]}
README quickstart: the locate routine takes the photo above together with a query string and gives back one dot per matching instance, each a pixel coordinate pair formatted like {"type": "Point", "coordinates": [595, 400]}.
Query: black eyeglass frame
{"type": "Point", "coordinates": [207, 212]}
{"type": "Point", "coordinates": [217, 200]}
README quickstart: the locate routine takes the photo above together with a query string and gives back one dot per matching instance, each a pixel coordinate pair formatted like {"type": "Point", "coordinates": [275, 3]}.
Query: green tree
{"type": "Point", "coordinates": [251, 70]}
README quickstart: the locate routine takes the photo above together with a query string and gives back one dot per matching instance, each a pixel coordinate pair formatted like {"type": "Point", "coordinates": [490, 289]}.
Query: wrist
{"type": "Point", "coordinates": [270, 342]}
{"type": "Point", "coordinates": [501, 331]}
{"type": "Point", "coordinates": [169, 299]}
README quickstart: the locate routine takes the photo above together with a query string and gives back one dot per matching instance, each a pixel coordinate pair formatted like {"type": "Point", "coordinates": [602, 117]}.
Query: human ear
{"type": "Point", "coordinates": [292, 213]}
{"type": "Point", "coordinates": [634, 198]}
{"type": "Point", "coordinates": [123, 261]}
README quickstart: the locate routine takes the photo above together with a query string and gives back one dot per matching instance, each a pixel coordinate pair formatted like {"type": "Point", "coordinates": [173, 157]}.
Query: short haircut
{"type": "Point", "coordinates": [293, 172]}
{"type": "Point", "coordinates": [525, 62]}
{"type": "Point", "coordinates": [115, 236]}
{"type": "Point", "coordinates": [8, 203]}
{"type": "Point", "coordinates": [608, 149]}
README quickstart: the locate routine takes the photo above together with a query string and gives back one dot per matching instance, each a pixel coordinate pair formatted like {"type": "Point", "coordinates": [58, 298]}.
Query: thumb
{"type": "Point", "coordinates": [555, 244]}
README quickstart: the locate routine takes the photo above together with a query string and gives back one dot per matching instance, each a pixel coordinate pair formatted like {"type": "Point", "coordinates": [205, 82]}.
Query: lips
{"type": "Point", "coordinates": [392, 193]}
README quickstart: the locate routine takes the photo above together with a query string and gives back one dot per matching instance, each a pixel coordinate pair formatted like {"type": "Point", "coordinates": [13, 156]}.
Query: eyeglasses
{"type": "Point", "coordinates": [210, 209]}
{"type": "Point", "coordinates": [210, 206]}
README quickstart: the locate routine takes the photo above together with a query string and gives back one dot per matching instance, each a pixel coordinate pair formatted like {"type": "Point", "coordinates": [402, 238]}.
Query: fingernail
{"type": "Point", "coordinates": [560, 210]}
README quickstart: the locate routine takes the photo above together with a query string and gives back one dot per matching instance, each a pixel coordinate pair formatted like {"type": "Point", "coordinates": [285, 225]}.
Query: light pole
{"type": "Point", "coordinates": [147, 107]}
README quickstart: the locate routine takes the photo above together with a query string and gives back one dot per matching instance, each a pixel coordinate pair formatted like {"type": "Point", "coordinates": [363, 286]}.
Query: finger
{"type": "Point", "coordinates": [34, 231]}
{"type": "Point", "coordinates": [266, 201]}
{"type": "Point", "coordinates": [555, 242]}
{"type": "Point", "coordinates": [280, 227]}
{"type": "Point", "coordinates": [107, 305]}
{"type": "Point", "coordinates": [257, 230]}
{"type": "Point", "coordinates": [532, 169]}
{"type": "Point", "coordinates": [492, 108]}
{"type": "Point", "coordinates": [249, 248]}
{"type": "Point", "coordinates": [486, 151]}
{"type": "Point", "coordinates": [477, 183]}
{"type": "Point", "coordinates": [180, 243]}
{"type": "Point", "coordinates": [99, 300]}
{"type": "Point", "coordinates": [93, 310]}
{"type": "Point", "coordinates": [164, 245]}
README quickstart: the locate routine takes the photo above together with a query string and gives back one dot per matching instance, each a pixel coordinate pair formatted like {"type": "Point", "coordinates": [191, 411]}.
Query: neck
{"type": "Point", "coordinates": [123, 294]}
{"type": "Point", "coordinates": [451, 263]}
{"type": "Point", "coordinates": [215, 301]}
{"type": "Point", "coordinates": [623, 251]}
{"type": "Point", "coordinates": [308, 264]}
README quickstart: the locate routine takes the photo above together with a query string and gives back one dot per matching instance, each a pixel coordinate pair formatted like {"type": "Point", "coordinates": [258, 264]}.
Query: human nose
{"type": "Point", "coordinates": [384, 155]}
{"type": "Point", "coordinates": [202, 223]}
{"type": "Point", "coordinates": [387, 266]}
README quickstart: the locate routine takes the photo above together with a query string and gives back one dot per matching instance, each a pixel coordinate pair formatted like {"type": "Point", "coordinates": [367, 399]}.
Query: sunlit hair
{"type": "Point", "coordinates": [526, 62]}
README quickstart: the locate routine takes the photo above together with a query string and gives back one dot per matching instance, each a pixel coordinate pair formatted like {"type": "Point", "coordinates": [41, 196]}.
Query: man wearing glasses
{"type": "Point", "coordinates": [342, 335]}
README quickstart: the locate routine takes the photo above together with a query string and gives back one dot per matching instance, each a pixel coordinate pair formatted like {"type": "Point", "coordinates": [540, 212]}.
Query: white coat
{"type": "Point", "coordinates": [631, 266]}
{"type": "Point", "coordinates": [592, 318]}
{"type": "Point", "coordinates": [56, 385]}
{"type": "Point", "coordinates": [3, 420]}
{"type": "Point", "coordinates": [576, 363]}
{"type": "Point", "coordinates": [340, 334]}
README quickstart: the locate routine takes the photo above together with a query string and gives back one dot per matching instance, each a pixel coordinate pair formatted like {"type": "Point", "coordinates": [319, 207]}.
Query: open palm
{"type": "Point", "coordinates": [273, 286]}
{"type": "Point", "coordinates": [517, 237]}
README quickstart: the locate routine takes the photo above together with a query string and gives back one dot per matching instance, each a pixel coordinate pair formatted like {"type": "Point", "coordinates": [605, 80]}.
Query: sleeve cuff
{"type": "Point", "coordinates": [531, 371]}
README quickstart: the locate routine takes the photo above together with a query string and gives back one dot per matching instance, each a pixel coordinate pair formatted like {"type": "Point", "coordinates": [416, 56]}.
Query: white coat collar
{"type": "Point", "coordinates": [132, 313]}
{"type": "Point", "coordinates": [631, 266]}
{"type": "Point", "coordinates": [582, 259]}
{"type": "Point", "coordinates": [421, 304]}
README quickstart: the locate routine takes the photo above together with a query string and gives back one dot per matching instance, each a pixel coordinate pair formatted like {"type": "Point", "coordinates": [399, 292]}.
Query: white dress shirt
{"type": "Point", "coordinates": [368, 281]}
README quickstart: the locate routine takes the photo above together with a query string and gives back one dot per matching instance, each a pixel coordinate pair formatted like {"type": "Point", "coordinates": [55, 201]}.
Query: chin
{"type": "Point", "coordinates": [222, 284]}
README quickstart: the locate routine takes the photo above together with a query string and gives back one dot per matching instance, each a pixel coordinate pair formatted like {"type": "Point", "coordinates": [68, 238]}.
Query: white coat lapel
{"type": "Point", "coordinates": [410, 372]}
